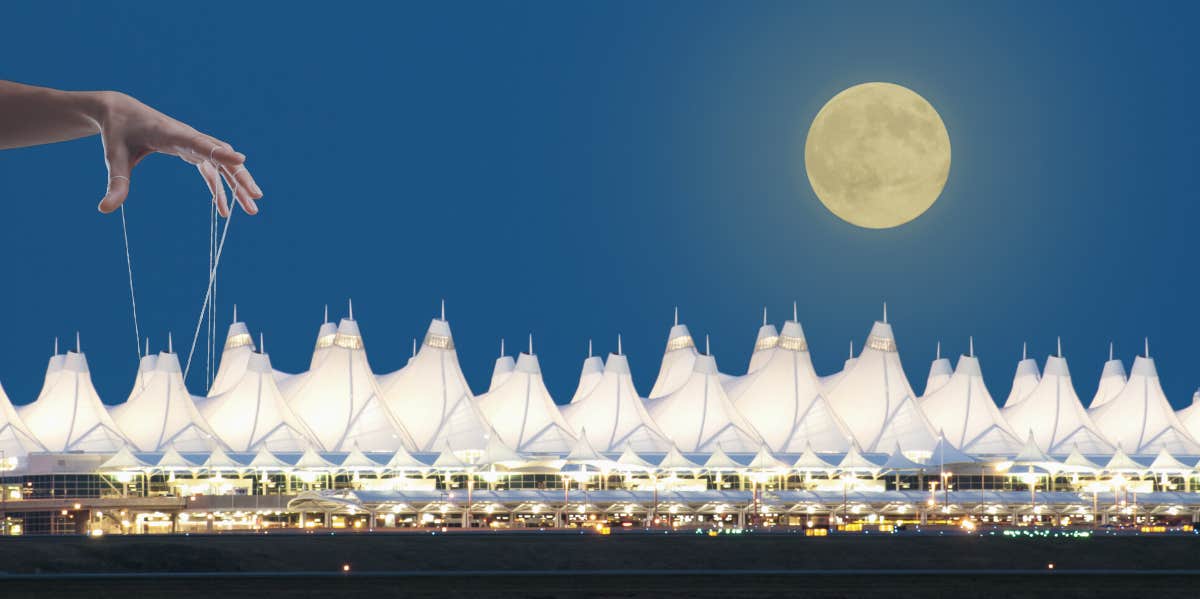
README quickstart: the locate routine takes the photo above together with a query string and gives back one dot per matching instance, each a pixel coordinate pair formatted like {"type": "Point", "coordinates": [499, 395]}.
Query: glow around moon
{"type": "Point", "coordinates": [877, 155]}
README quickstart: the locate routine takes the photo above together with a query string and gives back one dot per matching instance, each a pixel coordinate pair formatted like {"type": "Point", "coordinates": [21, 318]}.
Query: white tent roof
{"type": "Point", "coordinates": [699, 417]}
{"type": "Point", "coordinates": [876, 402]}
{"type": "Point", "coordinates": [339, 401]}
{"type": "Point", "coordinates": [15, 437]}
{"type": "Point", "coordinates": [1076, 462]}
{"type": "Point", "coordinates": [235, 356]}
{"type": "Point", "coordinates": [613, 416]}
{"type": "Point", "coordinates": [677, 362]}
{"type": "Point", "coordinates": [718, 460]}
{"type": "Point", "coordinates": [502, 370]}
{"type": "Point", "coordinates": [1122, 463]}
{"type": "Point", "coordinates": [589, 376]}
{"type": "Point", "coordinates": [1189, 417]}
{"type": "Point", "coordinates": [123, 459]}
{"type": "Point", "coordinates": [266, 460]}
{"type": "Point", "coordinates": [431, 396]}
{"type": "Point", "coordinates": [630, 460]}
{"type": "Point", "coordinates": [1032, 454]}
{"type": "Point", "coordinates": [68, 414]}
{"type": "Point", "coordinates": [675, 461]}
{"type": "Point", "coordinates": [357, 461]}
{"type": "Point", "coordinates": [172, 461]}
{"type": "Point", "coordinates": [964, 410]}
{"type": "Point", "coordinates": [1165, 463]}
{"type": "Point", "coordinates": [583, 453]}
{"type": "Point", "coordinates": [402, 460]}
{"type": "Point", "coordinates": [219, 460]}
{"type": "Point", "coordinates": [764, 344]}
{"type": "Point", "coordinates": [1140, 418]}
{"type": "Point", "coordinates": [162, 415]}
{"type": "Point", "coordinates": [1112, 380]}
{"type": "Point", "coordinates": [311, 460]}
{"type": "Point", "coordinates": [855, 461]}
{"type": "Point", "coordinates": [765, 461]}
{"type": "Point", "coordinates": [251, 413]}
{"type": "Point", "coordinates": [523, 413]}
{"type": "Point", "coordinates": [782, 399]}
{"type": "Point", "coordinates": [499, 453]}
{"type": "Point", "coordinates": [1025, 379]}
{"type": "Point", "coordinates": [809, 461]}
{"type": "Point", "coordinates": [1053, 413]}
{"type": "Point", "coordinates": [939, 372]}
{"type": "Point", "coordinates": [898, 462]}
{"type": "Point", "coordinates": [946, 453]}
{"type": "Point", "coordinates": [144, 372]}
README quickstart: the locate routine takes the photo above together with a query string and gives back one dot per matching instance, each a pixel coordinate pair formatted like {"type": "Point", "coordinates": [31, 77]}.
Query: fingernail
{"type": "Point", "coordinates": [253, 205]}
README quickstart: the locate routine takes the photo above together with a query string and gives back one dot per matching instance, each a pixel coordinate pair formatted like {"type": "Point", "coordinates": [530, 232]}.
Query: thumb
{"type": "Point", "coordinates": [119, 169]}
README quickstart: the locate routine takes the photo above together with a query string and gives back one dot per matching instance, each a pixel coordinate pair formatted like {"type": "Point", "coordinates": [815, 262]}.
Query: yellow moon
{"type": "Point", "coordinates": [877, 155]}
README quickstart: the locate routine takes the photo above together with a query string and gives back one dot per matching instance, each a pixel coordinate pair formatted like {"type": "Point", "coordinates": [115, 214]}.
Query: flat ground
{"type": "Point", "coordinates": [556, 564]}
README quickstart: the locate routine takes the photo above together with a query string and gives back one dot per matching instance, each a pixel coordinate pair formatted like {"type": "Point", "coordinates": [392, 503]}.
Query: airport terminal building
{"type": "Point", "coordinates": [339, 446]}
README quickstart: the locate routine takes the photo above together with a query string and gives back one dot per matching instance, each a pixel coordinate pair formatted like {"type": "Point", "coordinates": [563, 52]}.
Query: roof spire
{"type": "Point", "coordinates": [414, 347]}
{"type": "Point", "coordinates": [326, 321]}
{"type": "Point", "coordinates": [938, 356]}
{"type": "Point", "coordinates": [56, 345]}
{"type": "Point", "coordinates": [764, 316]}
{"type": "Point", "coordinates": [78, 345]}
{"type": "Point", "coordinates": [618, 344]}
{"type": "Point", "coordinates": [1060, 347]}
{"type": "Point", "coordinates": [170, 343]}
{"type": "Point", "coordinates": [350, 307]}
{"type": "Point", "coordinates": [676, 315]}
{"type": "Point", "coordinates": [971, 346]}
{"type": "Point", "coordinates": [443, 308]}
{"type": "Point", "coordinates": [1147, 347]}
{"type": "Point", "coordinates": [531, 344]}
{"type": "Point", "coordinates": [589, 348]}
{"type": "Point", "coordinates": [147, 346]}
{"type": "Point", "coordinates": [884, 312]}
{"type": "Point", "coordinates": [1024, 353]}
{"type": "Point", "coordinates": [235, 312]}
{"type": "Point", "coordinates": [1110, 351]}
{"type": "Point", "coordinates": [851, 349]}
{"type": "Point", "coordinates": [262, 344]}
{"type": "Point", "coordinates": [501, 346]}
{"type": "Point", "coordinates": [707, 351]}
{"type": "Point", "coordinates": [795, 312]}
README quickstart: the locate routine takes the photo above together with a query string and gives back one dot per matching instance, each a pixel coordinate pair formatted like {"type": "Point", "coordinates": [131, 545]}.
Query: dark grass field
{"type": "Point", "coordinates": [588, 565]}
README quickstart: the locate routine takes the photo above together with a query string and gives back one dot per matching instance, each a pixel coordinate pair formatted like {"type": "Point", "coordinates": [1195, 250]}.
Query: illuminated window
{"type": "Point", "coordinates": [439, 341]}
{"type": "Point", "coordinates": [881, 344]}
{"type": "Point", "coordinates": [793, 343]}
{"type": "Point", "coordinates": [348, 341]}
{"type": "Point", "coordinates": [680, 343]}
{"type": "Point", "coordinates": [766, 343]}
{"type": "Point", "coordinates": [326, 341]}
{"type": "Point", "coordinates": [239, 340]}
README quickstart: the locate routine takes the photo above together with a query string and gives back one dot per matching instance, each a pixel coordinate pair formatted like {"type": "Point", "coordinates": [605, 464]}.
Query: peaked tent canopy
{"type": "Point", "coordinates": [782, 399]}
{"type": "Point", "coordinates": [613, 416]}
{"type": "Point", "coordinates": [502, 370]}
{"type": "Point", "coordinates": [68, 414]}
{"type": "Point", "coordinates": [1140, 418]}
{"type": "Point", "coordinates": [764, 344]}
{"type": "Point", "coordinates": [589, 376]}
{"type": "Point", "coordinates": [699, 417]}
{"type": "Point", "coordinates": [876, 402]}
{"type": "Point", "coordinates": [162, 414]}
{"type": "Point", "coordinates": [1025, 379]}
{"type": "Point", "coordinates": [1053, 413]}
{"type": "Point", "coordinates": [339, 401]}
{"type": "Point", "coordinates": [235, 357]}
{"type": "Point", "coordinates": [964, 410]}
{"type": "Point", "coordinates": [939, 372]}
{"type": "Point", "coordinates": [1077, 463]}
{"type": "Point", "coordinates": [1189, 417]}
{"type": "Point", "coordinates": [431, 396]}
{"type": "Point", "coordinates": [251, 413]}
{"type": "Point", "coordinates": [523, 413]}
{"type": "Point", "coordinates": [677, 362]}
{"type": "Point", "coordinates": [1112, 380]}
{"type": "Point", "coordinates": [15, 437]}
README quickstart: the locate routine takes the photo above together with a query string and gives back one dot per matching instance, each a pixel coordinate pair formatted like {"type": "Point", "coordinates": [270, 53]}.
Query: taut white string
{"type": "Point", "coordinates": [129, 268]}
{"type": "Point", "coordinates": [211, 275]}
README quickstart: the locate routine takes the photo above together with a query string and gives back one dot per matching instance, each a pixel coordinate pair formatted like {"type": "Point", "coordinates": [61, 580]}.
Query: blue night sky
{"type": "Point", "coordinates": [576, 170]}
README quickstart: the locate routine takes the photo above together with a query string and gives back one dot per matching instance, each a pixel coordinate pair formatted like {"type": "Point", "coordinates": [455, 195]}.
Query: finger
{"type": "Point", "coordinates": [119, 169]}
{"type": "Point", "coordinates": [236, 179]}
{"type": "Point", "coordinates": [215, 187]}
{"type": "Point", "coordinates": [230, 161]}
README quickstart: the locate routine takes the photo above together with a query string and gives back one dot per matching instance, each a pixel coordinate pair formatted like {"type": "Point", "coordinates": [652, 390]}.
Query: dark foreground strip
{"type": "Point", "coordinates": [624, 572]}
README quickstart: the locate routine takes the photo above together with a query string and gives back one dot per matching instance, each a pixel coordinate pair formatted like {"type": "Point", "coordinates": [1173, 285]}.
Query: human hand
{"type": "Point", "coordinates": [131, 131]}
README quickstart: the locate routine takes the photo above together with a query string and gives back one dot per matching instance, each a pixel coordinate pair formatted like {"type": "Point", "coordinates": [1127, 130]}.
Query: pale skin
{"type": "Point", "coordinates": [130, 131]}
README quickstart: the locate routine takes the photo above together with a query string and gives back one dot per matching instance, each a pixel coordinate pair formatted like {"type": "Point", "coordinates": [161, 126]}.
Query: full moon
{"type": "Point", "coordinates": [877, 155]}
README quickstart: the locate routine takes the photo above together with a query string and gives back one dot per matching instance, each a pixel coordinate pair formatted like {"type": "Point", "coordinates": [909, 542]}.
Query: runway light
{"type": "Point", "coordinates": [1050, 566]}
{"type": "Point", "coordinates": [345, 567]}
